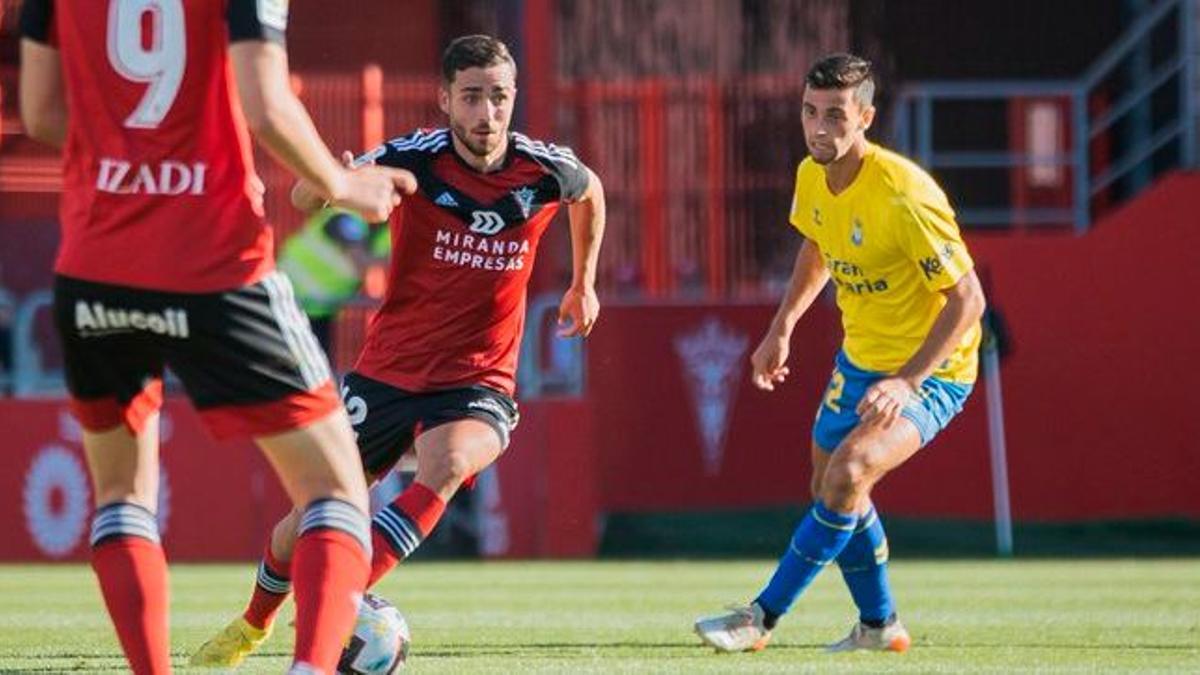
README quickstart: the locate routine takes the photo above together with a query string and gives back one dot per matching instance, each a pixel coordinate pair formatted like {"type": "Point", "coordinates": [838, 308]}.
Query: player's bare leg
{"type": "Point", "coordinates": [865, 458]}
{"type": "Point", "coordinates": [124, 467]}
{"type": "Point", "coordinates": [842, 482]}
{"type": "Point", "coordinates": [447, 455]}
{"type": "Point", "coordinates": [126, 554]}
{"type": "Point", "coordinates": [272, 587]}
{"type": "Point", "coordinates": [321, 471]}
{"type": "Point", "coordinates": [450, 453]}
{"type": "Point", "coordinates": [314, 464]}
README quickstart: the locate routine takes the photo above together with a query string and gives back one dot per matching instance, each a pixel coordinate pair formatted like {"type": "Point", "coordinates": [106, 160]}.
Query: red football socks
{"type": "Point", "coordinates": [133, 579]}
{"type": "Point", "coordinates": [329, 572]}
{"type": "Point", "coordinates": [271, 589]}
{"type": "Point", "coordinates": [399, 528]}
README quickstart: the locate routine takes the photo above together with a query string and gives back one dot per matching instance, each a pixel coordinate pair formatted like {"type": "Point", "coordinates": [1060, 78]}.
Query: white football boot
{"type": "Point", "coordinates": [740, 629]}
{"type": "Point", "coordinates": [890, 638]}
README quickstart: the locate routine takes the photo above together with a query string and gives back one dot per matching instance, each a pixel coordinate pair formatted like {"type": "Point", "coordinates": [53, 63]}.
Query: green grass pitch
{"type": "Point", "coordinates": [1074, 616]}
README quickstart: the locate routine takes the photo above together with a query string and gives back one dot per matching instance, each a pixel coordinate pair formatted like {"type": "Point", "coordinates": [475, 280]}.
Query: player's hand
{"type": "Point", "coordinates": [577, 313]}
{"type": "Point", "coordinates": [374, 191]}
{"type": "Point", "coordinates": [885, 400]}
{"type": "Point", "coordinates": [405, 180]}
{"type": "Point", "coordinates": [768, 361]}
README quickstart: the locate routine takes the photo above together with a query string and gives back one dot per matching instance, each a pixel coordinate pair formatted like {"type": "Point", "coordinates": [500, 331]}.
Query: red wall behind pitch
{"type": "Point", "coordinates": [1100, 396]}
{"type": "Point", "coordinates": [221, 498]}
{"type": "Point", "coordinates": [1101, 392]}
{"type": "Point", "coordinates": [651, 449]}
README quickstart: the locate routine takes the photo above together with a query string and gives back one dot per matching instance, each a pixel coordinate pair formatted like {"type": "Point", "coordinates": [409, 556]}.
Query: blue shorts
{"type": "Point", "coordinates": [940, 401]}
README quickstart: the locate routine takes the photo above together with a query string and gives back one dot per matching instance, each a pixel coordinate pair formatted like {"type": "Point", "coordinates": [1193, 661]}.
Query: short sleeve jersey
{"type": "Point", "coordinates": [159, 185]}
{"type": "Point", "coordinates": [891, 245]}
{"type": "Point", "coordinates": [463, 249]}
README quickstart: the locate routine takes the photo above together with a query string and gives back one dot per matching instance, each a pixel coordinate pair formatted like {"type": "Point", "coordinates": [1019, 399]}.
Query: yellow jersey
{"type": "Point", "coordinates": [891, 245]}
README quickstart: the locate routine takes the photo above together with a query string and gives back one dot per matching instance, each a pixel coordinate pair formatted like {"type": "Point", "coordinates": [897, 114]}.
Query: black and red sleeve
{"type": "Point", "coordinates": [412, 151]}
{"type": "Point", "coordinates": [37, 21]}
{"type": "Point", "coordinates": [257, 20]}
{"type": "Point", "coordinates": [559, 161]}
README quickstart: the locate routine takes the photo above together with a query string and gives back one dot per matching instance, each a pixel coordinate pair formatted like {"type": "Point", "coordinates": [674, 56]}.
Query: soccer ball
{"type": "Point", "coordinates": [379, 645]}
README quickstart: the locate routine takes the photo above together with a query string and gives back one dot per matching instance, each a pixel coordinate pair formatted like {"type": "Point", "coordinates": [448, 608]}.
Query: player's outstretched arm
{"type": "Point", "coordinates": [279, 121]}
{"type": "Point", "coordinates": [277, 118]}
{"type": "Point", "coordinates": [307, 198]}
{"type": "Point", "coordinates": [809, 276]}
{"type": "Point", "coordinates": [43, 102]}
{"type": "Point", "coordinates": [580, 307]}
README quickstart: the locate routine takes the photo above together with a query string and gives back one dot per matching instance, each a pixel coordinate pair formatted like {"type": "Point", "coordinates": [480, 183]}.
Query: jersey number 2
{"type": "Point", "coordinates": [157, 59]}
{"type": "Point", "coordinates": [833, 395]}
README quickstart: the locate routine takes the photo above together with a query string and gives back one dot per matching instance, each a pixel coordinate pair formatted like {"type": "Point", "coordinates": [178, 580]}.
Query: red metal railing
{"type": "Point", "coordinates": [698, 171]}
{"type": "Point", "coordinates": [686, 165]}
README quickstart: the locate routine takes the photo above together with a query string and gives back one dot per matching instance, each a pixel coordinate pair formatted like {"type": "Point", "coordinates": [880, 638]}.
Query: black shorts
{"type": "Point", "coordinates": [246, 357]}
{"type": "Point", "coordinates": [388, 420]}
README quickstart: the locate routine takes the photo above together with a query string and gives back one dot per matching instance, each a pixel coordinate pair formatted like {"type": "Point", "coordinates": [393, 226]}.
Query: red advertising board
{"type": "Point", "coordinates": [219, 501]}
{"type": "Point", "coordinates": [1099, 415]}
{"type": "Point", "coordinates": [680, 426]}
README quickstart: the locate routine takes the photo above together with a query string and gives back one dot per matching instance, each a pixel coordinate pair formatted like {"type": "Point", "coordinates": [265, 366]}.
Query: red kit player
{"type": "Point", "coordinates": [166, 260]}
{"type": "Point", "coordinates": [437, 373]}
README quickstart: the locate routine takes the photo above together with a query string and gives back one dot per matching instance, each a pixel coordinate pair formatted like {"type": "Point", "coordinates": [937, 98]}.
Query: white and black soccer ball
{"type": "Point", "coordinates": [379, 645]}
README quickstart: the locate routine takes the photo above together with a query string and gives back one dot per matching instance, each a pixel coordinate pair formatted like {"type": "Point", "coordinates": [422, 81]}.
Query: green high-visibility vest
{"type": "Point", "coordinates": [380, 241]}
{"type": "Point", "coordinates": [322, 271]}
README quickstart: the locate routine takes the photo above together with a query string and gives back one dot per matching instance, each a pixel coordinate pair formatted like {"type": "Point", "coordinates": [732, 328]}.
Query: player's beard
{"type": "Point", "coordinates": [823, 155]}
{"type": "Point", "coordinates": [481, 149]}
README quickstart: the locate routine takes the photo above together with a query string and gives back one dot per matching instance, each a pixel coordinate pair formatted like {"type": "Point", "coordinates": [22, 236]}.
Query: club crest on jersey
{"type": "Point", "coordinates": [856, 233]}
{"type": "Point", "coordinates": [524, 197]}
{"type": "Point", "coordinates": [816, 216]}
{"type": "Point", "coordinates": [486, 222]}
{"type": "Point", "coordinates": [447, 200]}
{"type": "Point", "coordinates": [711, 356]}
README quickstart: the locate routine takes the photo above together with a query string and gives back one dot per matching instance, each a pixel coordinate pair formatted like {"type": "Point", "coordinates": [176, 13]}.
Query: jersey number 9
{"type": "Point", "coordinates": [160, 65]}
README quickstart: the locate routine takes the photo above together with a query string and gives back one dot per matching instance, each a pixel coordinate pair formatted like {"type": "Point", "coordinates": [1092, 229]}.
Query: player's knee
{"type": "Point", "coordinates": [453, 467]}
{"type": "Point", "coordinates": [845, 482]}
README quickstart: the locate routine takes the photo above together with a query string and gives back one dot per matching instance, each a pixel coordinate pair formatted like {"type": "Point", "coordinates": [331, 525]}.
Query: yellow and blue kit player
{"type": "Point", "coordinates": [883, 232]}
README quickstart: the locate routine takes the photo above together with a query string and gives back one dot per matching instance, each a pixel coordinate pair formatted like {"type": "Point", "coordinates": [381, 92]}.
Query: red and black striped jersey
{"type": "Point", "coordinates": [158, 188]}
{"type": "Point", "coordinates": [463, 249]}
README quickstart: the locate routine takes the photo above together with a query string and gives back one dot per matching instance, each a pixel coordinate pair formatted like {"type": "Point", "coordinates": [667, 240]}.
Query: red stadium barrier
{"type": "Point", "coordinates": [1100, 390]}
{"type": "Point", "coordinates": [1098, 393]}
{"type": "Point", "coordinates": [1098, 398]}
{"type": "Point", "coordinates": [220, 500]}
{"type": "Point", "coordinates": [680, 427]}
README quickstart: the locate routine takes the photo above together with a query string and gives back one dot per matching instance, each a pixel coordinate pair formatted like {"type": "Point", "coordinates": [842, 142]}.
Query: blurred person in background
{"type": "Point", "coordinates": [326, 261]}
{"type": "Point", "coordinates": [884, 232]}
{"type": "Point", "coordinates": [165, 260]}
{"type": "Point", "coordinates": [438, 372]}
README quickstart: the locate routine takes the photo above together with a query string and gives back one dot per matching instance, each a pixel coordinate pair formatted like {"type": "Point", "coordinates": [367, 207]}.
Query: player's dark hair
{"type": "Point", "coordinates": [474, 51]}
{"type": "Point", "coordinates": [844, 71]}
